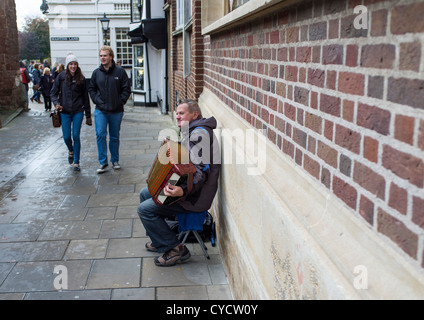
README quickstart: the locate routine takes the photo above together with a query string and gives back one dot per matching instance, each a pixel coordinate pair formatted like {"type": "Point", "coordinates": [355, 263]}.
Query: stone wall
{"type": "Point", "coordinates": [12, 95]}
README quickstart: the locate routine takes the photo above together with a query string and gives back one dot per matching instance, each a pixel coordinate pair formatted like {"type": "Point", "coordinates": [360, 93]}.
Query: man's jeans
{"type": "Point", "coordinates": [153, 218]}
{"type": "Point", "coordinates": [102, 120]}
{"type": "Point", "coordinates": [74, 121]}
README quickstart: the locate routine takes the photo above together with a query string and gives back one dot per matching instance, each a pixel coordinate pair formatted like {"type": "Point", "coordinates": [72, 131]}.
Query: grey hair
{"type": "Point", "coordinates": [192, 106]}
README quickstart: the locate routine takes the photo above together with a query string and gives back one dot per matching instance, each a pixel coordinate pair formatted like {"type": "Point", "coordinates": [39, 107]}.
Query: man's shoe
{"type": "Point", "coordinates": [171, 257]}
{"type": "Point", "coordinates": [77, 167]}
{"type": "Point", "coordinates": [102, 168]}
{"type": "Point", "coordinates": [116, 165]}
{"type": "Point", "coordinates": [32, 99]}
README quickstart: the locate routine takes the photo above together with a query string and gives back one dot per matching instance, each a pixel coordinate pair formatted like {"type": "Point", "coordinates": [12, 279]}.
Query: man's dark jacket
{"type": "Point", "coordinates": [109, 89]}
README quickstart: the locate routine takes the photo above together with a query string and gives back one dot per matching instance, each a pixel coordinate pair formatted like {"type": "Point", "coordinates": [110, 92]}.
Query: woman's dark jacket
{"type": "Point", "coordinates": [72, 97]}
{"type": "Point", "coordinates": [46, 84]}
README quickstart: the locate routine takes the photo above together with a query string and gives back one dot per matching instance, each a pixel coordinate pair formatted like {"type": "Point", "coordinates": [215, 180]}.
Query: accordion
{"type": "Point", "coordinates": [172, 166]}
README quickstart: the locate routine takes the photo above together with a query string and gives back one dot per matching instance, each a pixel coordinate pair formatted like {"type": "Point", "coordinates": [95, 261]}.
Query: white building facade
{"type": "Point", "coordinates": [75, 27]}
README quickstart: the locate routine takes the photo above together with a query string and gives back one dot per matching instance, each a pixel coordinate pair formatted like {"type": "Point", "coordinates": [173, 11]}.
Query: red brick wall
{"type": "Point", "coordinates": [345, 104]}
{"type": "Point", "coordinates": [192, 85]}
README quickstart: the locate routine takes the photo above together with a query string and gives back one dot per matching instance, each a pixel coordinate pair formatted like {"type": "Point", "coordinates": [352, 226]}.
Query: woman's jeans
{"type": "Point", "coordinates": [102, 120]}
{"type": "Point", "coordinates": [72, 123]}
{"type": "Point", "coordinates": [153, 218]}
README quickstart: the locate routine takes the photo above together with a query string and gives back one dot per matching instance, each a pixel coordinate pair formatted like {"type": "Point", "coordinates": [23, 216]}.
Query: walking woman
{"type": "Point", "coordinates": [70, 97]}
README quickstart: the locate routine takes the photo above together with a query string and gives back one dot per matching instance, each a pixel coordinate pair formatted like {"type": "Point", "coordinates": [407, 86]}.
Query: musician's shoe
{"type": "Point", "coordinates": [71, 158]}
{"type": "Point", "coordinates": [171, 257]}
{"type": "Point", "coordinates": [102, 168]}
{"type": "Point", "coordinates": [150, 248]}
{"type": "Point", "coordinates": [116, 165]}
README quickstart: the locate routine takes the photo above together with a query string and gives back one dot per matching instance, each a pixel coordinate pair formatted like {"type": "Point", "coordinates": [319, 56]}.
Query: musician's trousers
{"type": "Point", "coordinates": [153, 218]}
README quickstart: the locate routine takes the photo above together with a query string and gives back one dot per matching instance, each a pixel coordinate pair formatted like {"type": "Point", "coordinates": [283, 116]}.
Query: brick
{"type": "Point", "coordinates": [292, 34]}
{"type": "Point", "coordinates": [328, 154]}
{"type": "Point", "coordinates": [348, 110]}
{"type": "Point", "coordinates": [328, 129]}
{"type": "Point", "coordinates": [326, 177]}
{"type": "Point", "coordinates": [420, 142]}
{"type": "Point", "coordinates": [331, 79]}
{"type": "Point", "coordinates": [345, 165]}
{"type": "Point", "coordinates": [375, 86]}
{"type": "Point", "coordinates": [299, 137]}
{"type": "Point", "coordinates": [418, 211]}
{"type": "Point", "coordinates": [404, 128]}
{"type": "Point", "coordinates": [316, 77]}
{"type": "Point", "coordinates": [291, 73]}
{"type": "Point", "coordinates": [410, 56]}
{"type": "Point", "coordinates": [345, 192]}
{"type": "Point", "coordinates": [290, 111]}
{"type": "Point", "coordinates": [332, 54]}
{"type": "Point", "coordinates": [380, 56]}
{"type": "Point", "coordinates": [378, 23]}
{"type": "Point", "coordinates": [313, 122]}
{"type": "Point", "coordinates": [298, 156]}
{"type": "Point", "coordinates": [373, 118]}
{"type": "Point", "coordinates": [369, 180]}
{"type": "Point", "coordinates": [406, 91]}
{"type": "Point", "coordinates": [348, 139]}
{"type": "Point", "coordinates": [333, 29]}
{"type": "Point", "coordinates": [398, 198]}
{"type": "Point", "coordinates": [404, 165]}
{"type": "Point", "coordinates": [330, 104]}
{"type": "Point", "coordinates": [348, 30]}
{"type": "Point", "coordinates": [352, 55]}
{"type": "Point", "coordinates": [366, 209]}
{"type": "Point", "coordinates": [288, 148]}
{"type": "Point", "coordinates": [318, 31]}
{"type": "Point", "coordinates": [370, 149]}
{"type": "Point", "coordinates": [311, 166]}
{"type": "Point", "coordinates": [407, 18]}
{"type": "Point", "coordinates": [303, 54]}
{"type": "Point", "coordinates": [397, 232]}
{"type": "Point", "coordinates": [352, 83]}
{"type": "Point", "coordinates": [301, 95]}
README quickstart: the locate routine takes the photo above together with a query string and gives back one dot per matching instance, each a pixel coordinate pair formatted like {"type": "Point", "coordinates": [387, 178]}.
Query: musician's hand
{"type": "Point", "coordinates": [173, 191]}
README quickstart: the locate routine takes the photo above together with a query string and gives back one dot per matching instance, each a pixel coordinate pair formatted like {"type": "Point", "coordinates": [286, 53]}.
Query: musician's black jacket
{"type": "Point", "coordinates": [205, 155]}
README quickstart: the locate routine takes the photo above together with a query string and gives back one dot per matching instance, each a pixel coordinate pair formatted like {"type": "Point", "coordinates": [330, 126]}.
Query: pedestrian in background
{"type": "Point", "coordinates": [70, 96]}
{"type": "Point", "coordinates": [109, 89]}
{"type": "Point", "coordinates": [46, 84]}
{"type": "Point", "coordinates": [36, 77]}
{"type": "Point", "coordinates": [25, 78]}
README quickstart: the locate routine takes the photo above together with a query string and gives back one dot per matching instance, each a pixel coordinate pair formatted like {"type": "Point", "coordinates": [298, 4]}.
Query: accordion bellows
{"type": "Point", "coordinates": [172, 166]}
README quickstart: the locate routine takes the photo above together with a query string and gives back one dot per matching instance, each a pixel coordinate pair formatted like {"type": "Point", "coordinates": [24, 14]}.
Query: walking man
{"type": "Point", "coordinates": [109, 89]}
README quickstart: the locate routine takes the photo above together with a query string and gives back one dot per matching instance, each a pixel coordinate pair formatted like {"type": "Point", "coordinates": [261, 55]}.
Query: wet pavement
{"type": "Point", "coordinates": [77, 235]}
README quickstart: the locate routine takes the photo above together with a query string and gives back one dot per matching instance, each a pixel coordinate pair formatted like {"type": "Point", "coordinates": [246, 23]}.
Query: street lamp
{"type": "Point", "coordinates": [44, 7]}
{"type": "Point", "coordinates": [105, 26]}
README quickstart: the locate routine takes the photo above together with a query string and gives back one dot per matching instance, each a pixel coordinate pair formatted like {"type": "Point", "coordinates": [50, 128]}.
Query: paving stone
{"type": "Point", "coordinates": [121, 228]}
{"type": "Point", "coordinates": [71, 230]}
{"type": "Point", "coordinates": [115, 273]}
{"type": "Point", "coordinates": [182, 293]}
{"type": "Point", "coordinates": [101, 213]}
{"type": "Point", "coordinates": [110, 200]}
{"type": "Point", "coordinates": [40, 276]}
{"type": "Point", "coordinates": [133, 294]}
{"type": "Point", "coordinates": [114, 189]}
{"type": "Point", "coordinates": [125, 248]}
{"type": "Point", "coordinates": [20, 231]}
{"type": "Point", "coordinates": [86, 249]}
{"type": "Point", "coordinates": [32, 251]}
{"type": "Point", "coordinates": [70, 295]}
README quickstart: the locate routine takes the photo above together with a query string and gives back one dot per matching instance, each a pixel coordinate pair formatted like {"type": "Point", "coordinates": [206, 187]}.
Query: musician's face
{"type": "Point", "coordinates": [184, 115]}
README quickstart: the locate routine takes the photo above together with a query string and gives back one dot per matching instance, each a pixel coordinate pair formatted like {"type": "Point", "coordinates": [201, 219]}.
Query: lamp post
{"type": "Point", "coordinates": [44, 7]}
{"type": "Point", "coordinates": [105, 26]}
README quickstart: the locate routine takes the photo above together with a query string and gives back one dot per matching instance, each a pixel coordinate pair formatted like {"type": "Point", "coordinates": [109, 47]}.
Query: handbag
{"type": "Point", "coordinates": [35, 87]}
{"type": "Point", "coordinates": [55, 115]}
